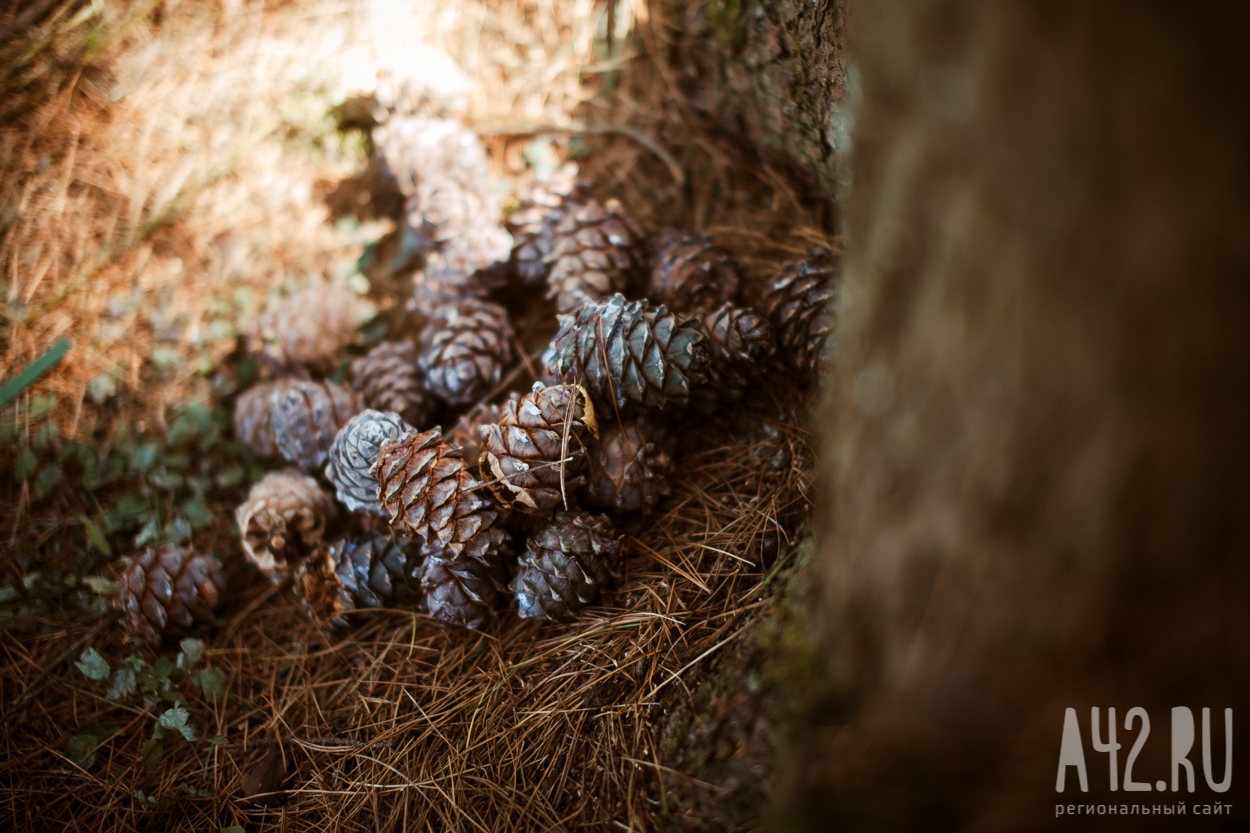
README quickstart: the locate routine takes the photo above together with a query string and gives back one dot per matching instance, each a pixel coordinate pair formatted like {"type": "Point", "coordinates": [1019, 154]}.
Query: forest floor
{"type": "Point", "coordinates": [169, 171]}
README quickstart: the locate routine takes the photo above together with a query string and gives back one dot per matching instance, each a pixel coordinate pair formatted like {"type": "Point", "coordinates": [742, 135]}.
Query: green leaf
{"type": "Point", "coordinates": [92, 665]}
{"type": "Point", "coordinates": [212, 681]}
{"type": "Point", "coordinates": [81, 750]}
{"type": "Point", "coordinates": [101, 387]}
{"type": "Point", "coordinates": [197, 513]}
{"type": "Point", "coordinates": [165, 356]}
{"type": "Point", "coordinates": [26, 464]}
{"type": "Point", "coordinates": [151, 753]}
{"type": "Point", "coordinates": [234, 828]}
{"type": "Point", "coordinates": [46, 481]}
{"type": "Point", "coordinates": [121, 684]}
{"type": "Point", "coordinates": [145, 456]}
{"type": "Point", "coordinates": [218, 740]}
{"type": "Point", "coordinates": [102, 585]}
{"type": "Point", "coordinates": [176, 720]}
{"type": "Point", "coordinates": [95, 538]}
{"type": "Point", "coordinates": [192, 652]}
{"type": "Point", "coordinates": [195, 792]}
{"type": "Point", "coordinates": [150, 533]}
{"type": "Point", "coordinates": [14, 387]}
{"type": "Point", "coordinates": [145, 798]}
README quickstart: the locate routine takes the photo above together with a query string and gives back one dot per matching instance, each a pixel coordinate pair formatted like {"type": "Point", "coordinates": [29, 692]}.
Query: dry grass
{"type": "Point", "coordinates": [153, 204]}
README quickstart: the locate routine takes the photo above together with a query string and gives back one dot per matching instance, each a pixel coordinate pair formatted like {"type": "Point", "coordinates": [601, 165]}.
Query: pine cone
{"type": "Point", "coordinates": [282, 521]}
{"type": "Point", "coordinates": [253, 420]}
{"type": "Point", "coordinates": [596, 252]}
{"type": "Point", "coordinates": [372, 571]}
{"type": "Point", "coordinates": [429, 493]}
{"type": "Point", "coordinates": [306, 330]}
{"type": "Point", "coordinates": [534, 224]}
{"type": "Point", "coordinates": [799, 302]}
{"type": "Point", "coordinates": [689, 272]}
{"type": "Point", "coordinates": [165, 590]}
{"type": "Point", "coordinates": [464, 349]}
{"type": "Point", "coordinates": [431, 83]}
{"type": "Point", "coordinates": [461, 592]}
{"type": "Point", "coordinates": [306, 416]}
{"type": "Point", "coordinates": [353, 454]}
{"type": "Point", "coordinates": [523, 450]}
{"type": "Point", "coordinates": [628, 353]}
{"type": "Point", "coordinates": [565, 562]}
{"type": "Point", "coordinates": [388, 379]}
{"type": "Point", "coordinates": [629, 467]}
{"type": "Point", "coordinates": [467, 432]}
{"type": "Point", "coordinates": [740, 345]}
{"type": "Point", "coordinates": [471, 264]}
{"type": "Point", "coordinates": [420, 146]}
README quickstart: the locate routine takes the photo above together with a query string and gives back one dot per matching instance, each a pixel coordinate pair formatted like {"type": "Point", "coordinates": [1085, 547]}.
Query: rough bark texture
{"type": "Point", "coordinates": [1036, 493]}
{"type": "Point", "coordinates": [1036, 439]}
{"type": "Point", "coordinates": [772, 72]}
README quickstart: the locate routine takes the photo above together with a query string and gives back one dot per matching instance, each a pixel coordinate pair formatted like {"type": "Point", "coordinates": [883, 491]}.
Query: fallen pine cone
{"type": "Point", "coordinates": [740, 345]}
{"type": "Point", "coordinates": [689, 272]}
{"type": "Point", "coordinates": [306, 416]}
{"type": "Point", "coordinates": [167, 589]}
{"type": "Point", "coordinates": [629, 467]}
{"type": "Point", "coordinates": [372, 571]}
{"type": "Point", "coordinates": [388, 379]}
{"type": "Point", "coordinates": [306, 330]}
{"type": "Point", "coordinates": [565, 563]}
{"type": "Point", "coordinates": [799, 302]}
{"type": "Point", "coordinates": [352, 455]}
{"type": "Point", "coordinates": [464, 350]}
{"type": "Point", "coordinates": [596, 252]}
{"type": "Point", "coordinates": [460, 592]}
{"type": "Point", "coordinates": [533, 456]}
{"type": "Point", "coordinates": [253, 420]}
{"type": "Point", "coordinates": [282, 521]}
{"type": "Point", "coordinates": [629, 354]}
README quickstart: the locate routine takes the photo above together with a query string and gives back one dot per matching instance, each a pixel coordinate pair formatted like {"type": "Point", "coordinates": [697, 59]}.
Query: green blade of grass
{"type": "Point", "coordinates": [13, 388]}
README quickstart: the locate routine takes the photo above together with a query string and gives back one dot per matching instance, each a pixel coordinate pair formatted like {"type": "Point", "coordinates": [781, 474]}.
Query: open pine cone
{"type": "Point", "coordinates": [353, 454]}
{"type": "Point", "coordinates": [388, 379]}
{"type": "Point", "coordinates": [417, 147]}
{"type": "Point", "coordinates": [689, 272]}
{"type": "Point", "coordinates": [800, 302]}
{"type": "Point", "coordinates": [371, 571]}
{"type": "Point", "coordinates": [534, 224]}
{"type": "Point", "coordinates": [566, 561]}
{"type": "Point", "coordinates": [282, 521]}
{"type": "Point", "coordinates": [464, 349]}
{"type": "Point", "coordinates": [305, 418]}
{"type": "Point", "coordinates": [166, 590]}
{"type": "Point", "coordinates": [629, 354]}
{"type": "Point", "coordinates": [534, 455]}
{"type": "Point", "coordinates": [306, 330]}
{"type": "Point", "coordinates": [429, 493]}
{"type": "Point", "coordinates": [629, 466]}
{"type": "Point", "coordinates": [467, 432]}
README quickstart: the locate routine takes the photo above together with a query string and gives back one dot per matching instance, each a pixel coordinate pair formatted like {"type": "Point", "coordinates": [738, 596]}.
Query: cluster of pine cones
{"type": "Point", "coordinates": [517, 496]}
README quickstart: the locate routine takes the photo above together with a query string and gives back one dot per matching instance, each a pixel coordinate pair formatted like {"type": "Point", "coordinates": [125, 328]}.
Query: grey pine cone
{"type": "Point", "coordinates": [565, 563]}
{"type": "Point", "coordinates": [388, 379]}
{"type": "Point", "coordinates": [464, 350]}
{"type": "Point", "coordinates": [353, 454]}
{"type": "Point", "coordinates": [306, 416]}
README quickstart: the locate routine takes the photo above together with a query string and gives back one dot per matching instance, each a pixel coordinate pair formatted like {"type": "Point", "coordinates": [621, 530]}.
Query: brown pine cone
{"type": "Point", "coordinates": [740, 345]}
{"type": "Point", "coordinates": [464, 349]}
{"type": "Point", "coordinates": [629, 354]}
{"type": "Point", "coordinates": [167, 589]}
{"type": "Point", "coordinates": [306, 330]}
{"type": "Point", "coordinates": [306, 416]}
{"type": "Point", "coordinates": [534, 223]}
{"type": "Point", "coordinates": [460, 592]}
{"type": "Point", "coordinates": [429, 493]}
{"type": "Point", "coordinates": [689, 272]}
{"type": "Point", "coordinates": [467, 432]}
{"type": "Point", "coordinates": [282, 521]}
{"type": "Point", "coordinates": [629, 467]}
{"type": "Point", "coordinates": [800, 303]}
{"type": "Point", "coordinates": [596, 252]}
{"type": "Point", "coordinates": [470, 264]}
{"type": "Point", "coordinates": [388, 379]}
{"type": "Point", "coordinates": [371, 571]}
{"type": "Point", "coordinates": [565, 562]}
{"type": "Point", "coordinates": [253, 420]}
{"type": "Point", "coordinates": [418, 147]}
{"type": "Point", "coordinates": [353, 454]}
{"type": "Point", "coordinates": [523, 450]}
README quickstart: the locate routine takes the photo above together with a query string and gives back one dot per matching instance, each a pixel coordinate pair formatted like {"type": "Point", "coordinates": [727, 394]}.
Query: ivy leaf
{"type": "Point", "coordinates": [212, 682]}
{"type": "Point", "coordinates": [121, 684]}
{"type": "Point", "coordinates": [81, 750]}
{"type": "Point", "coordinates": [102, 585]}
{"type": "Point", "coordinates": [151, 753]}
{"type": "Point", "coordinates": [175, 720]}
{"type": "Point", "coordinates": [92, 665]}
{"type": "Point", "coordinates": [192, 652]}
{"type": "Point", "coordinates": [145, 798]}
